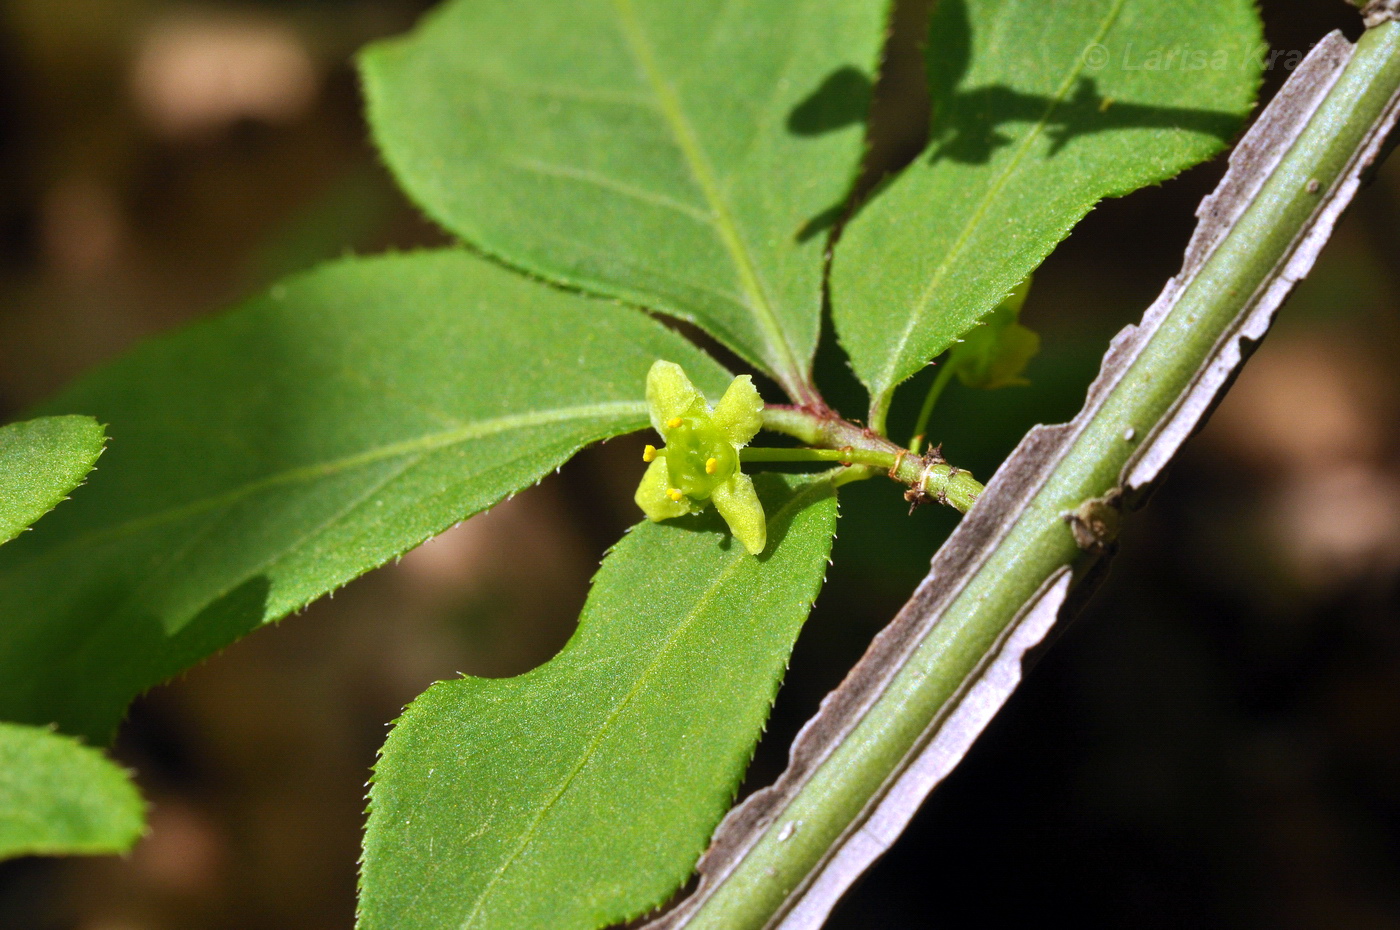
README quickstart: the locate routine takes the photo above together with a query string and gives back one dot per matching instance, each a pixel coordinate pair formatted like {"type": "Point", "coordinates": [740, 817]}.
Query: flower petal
{"type": "Point", "coordinates": [651, 494]}
{"type": "Point", "coordinates": [670, 394]}
{"type": "Point", "coordinates": [737, 502]}
{"type": "Point", "coordinates": [740, 411]}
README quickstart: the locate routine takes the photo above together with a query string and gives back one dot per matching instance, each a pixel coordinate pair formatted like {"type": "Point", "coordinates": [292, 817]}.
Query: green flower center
{"type": "Point", "coordinates": [699, 457]}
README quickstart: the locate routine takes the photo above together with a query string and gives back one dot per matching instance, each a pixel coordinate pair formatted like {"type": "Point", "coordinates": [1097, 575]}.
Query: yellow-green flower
{"type": "Point", "coordinates": [700, 462]}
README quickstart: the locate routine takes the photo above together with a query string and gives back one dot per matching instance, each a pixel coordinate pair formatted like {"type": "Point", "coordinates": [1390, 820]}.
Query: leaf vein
{"type": "Point", "coordinates": [559, 91]}
{"type": "Point", "coordinates": [632, 191]}
{"type": "Point", "coordinates": [683, 134]}
{"type": "Point", "coordinates": [422, 444]}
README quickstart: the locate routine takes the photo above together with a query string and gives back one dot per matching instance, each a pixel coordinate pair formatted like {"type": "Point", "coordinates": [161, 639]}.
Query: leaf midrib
{"type": "Point", "coordinates": [884, 385]}
{"type": "Point", "coordinates": [422, 444]}
{"type": "Point", "coordinates": [789, 370]}
{"type": "Point", "coordinates": [692, 615]}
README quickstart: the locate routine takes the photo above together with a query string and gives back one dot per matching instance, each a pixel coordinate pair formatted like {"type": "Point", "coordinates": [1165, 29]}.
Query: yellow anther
{"type": "Point", "coordinates": [674, 422]}
{"type": "Point", "coordinates": [675, 495]}
{"type": "Point", "coordinates": [711, 466]}
{"type": "Point", "coordinates": [649, 453]}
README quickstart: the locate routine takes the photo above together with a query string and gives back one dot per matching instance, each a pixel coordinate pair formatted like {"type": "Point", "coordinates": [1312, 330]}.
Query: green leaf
{"type": "Point", "coordinates": [59, 797]}
{"type": "Point", "coordinates": [995, 353]}
{"type": "Point", "coordinates": [582, 793]}
{"type": "Point", "coordinates": [1040, 110]}
{"type": "Point", "coordinates": [40, 462]}
{"type": "Point", "coordinates": [684, 155]}
{"type": "Point", "coordinates": [272, 454]}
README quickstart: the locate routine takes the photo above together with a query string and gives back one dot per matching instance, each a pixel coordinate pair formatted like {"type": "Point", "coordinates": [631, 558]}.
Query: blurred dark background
{"type": "Point", "coordinates": [1214, 743]}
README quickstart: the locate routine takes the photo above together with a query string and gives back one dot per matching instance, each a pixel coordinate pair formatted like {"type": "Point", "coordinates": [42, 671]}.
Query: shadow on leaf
{"type": "Point", "coordinates": [842, 100]}
{"type": "Point", "coordinates": [971, 134]}
{"type": "Point", "coordinates": [967, 124]}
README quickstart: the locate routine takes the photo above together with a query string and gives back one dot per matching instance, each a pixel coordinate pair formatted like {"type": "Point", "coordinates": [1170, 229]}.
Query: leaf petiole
{"type": "Point", "coordinates": [945, 374]}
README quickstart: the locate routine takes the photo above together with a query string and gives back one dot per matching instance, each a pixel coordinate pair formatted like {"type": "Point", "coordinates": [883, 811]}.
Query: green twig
{"type": "Point", "coordinates": [929, 476]}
